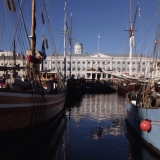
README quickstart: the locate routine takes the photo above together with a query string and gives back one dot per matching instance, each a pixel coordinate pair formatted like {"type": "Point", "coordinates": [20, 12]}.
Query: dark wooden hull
{"type": "Point", "coordinates": [23, 110]}
{"type": "Point", "coordinates": [34, 140]}
{"type": "Point", "coordinates": [97, 88]}
{"type": "Point", "coordinates": [74, 87]}
{"type": "Point", "coordinates": [123, 90]}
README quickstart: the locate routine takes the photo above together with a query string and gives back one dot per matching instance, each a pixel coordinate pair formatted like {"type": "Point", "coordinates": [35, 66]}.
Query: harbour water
{"type": "Point", "coordinates": [96, 130]}
{"type": "Point", "coordinates": [92, 128]}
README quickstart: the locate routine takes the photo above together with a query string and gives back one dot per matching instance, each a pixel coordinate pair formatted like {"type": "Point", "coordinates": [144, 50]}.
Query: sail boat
{"type": "Point", "coordinates": [129, 83]}
{"type": "Point", "coordinates": [142, 109]}
{"type": "Point", "coordinates": [74, 86]}
{"type": "Point", "coordinates": [142, 112]}
{"type": "Point", "coordinates": [25, 112]}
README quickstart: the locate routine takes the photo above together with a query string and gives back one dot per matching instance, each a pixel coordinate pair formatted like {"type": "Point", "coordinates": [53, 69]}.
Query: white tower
{"type": "Point", "coordinates": [78, 48]}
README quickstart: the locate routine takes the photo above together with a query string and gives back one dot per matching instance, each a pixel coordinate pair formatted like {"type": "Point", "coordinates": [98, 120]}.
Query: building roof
{"type": "Point", "coordinates": [78, 43]}
{"type": "Point", "coordinates": [100, 55]}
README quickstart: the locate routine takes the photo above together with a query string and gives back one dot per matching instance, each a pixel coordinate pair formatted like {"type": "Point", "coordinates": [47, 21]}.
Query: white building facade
{"type": "Point", "coordinates": [89, 66]}
{"type": "Point", "coordinates": [95, 66]}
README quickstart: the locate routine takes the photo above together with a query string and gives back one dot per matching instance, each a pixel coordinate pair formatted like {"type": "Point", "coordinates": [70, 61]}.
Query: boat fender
{"type": "Point", "coordinates": [145, 125]}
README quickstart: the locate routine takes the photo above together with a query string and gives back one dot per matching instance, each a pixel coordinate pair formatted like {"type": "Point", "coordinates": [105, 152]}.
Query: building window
{"type": "Point", "coordinates": [108, 68]}
{"type": "Point", "coordinates": [118, 62]}
{"type": "Point", "coordinates": [118, 68]}
{"type": "Point", "coordinates": [83, 62]}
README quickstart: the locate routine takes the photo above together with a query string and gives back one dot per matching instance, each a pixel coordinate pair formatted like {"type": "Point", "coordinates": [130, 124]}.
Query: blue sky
{"type": "Point", "coordinates": [109, 18]}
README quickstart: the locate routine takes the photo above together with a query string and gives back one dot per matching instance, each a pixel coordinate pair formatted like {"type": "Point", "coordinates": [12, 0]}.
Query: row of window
{"type": "Point", "coordinates": [73, 62]}
{"type": "Point", "coordinates": [104, 69]}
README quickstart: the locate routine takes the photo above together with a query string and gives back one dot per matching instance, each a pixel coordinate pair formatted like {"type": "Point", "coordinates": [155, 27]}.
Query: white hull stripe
{"type": "Point", "coordinates": [13, 94]}
{"type": "Point", "coordinates": [26, 104]}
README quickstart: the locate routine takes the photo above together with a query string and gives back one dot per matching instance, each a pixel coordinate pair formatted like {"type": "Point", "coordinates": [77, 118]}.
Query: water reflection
{"type": "Point", "coordinates": [95, 129]}
{"type": "Point", "coordinates": [101, 108]}
{"type": "Point", "coordinates": [43, 147]}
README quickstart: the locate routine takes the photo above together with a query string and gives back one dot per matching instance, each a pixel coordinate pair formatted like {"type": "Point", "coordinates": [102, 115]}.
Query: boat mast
{"type": "Point", "coordinates": [33, 35]}
{"type": "Point", "coordinates": [131, 30]}
{"type": "Point", "coordinates": [131, 39]}
{"type": "Point", "coordinates": [64, 33]}
{"type": "Point", "coordinates": [70, 41]}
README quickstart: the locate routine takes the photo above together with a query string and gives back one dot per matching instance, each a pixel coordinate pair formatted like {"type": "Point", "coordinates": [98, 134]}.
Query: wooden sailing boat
{"type": "Point", "coordinates": [25, 112]}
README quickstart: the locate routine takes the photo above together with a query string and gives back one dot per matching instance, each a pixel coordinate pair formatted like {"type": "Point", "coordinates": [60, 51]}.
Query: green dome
{"type": "Point", "coordinates": [79, 43]}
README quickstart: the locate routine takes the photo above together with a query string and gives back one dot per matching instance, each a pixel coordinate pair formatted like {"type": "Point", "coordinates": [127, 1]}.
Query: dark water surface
{"type": "Point", "coordinates": [93, 128]}
{"type": "Point", "coordinates": [96, 130]}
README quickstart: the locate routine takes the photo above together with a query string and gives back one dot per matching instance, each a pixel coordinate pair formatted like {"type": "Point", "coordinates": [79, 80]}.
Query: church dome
{"type": "Point", "coordinates": [78, 43]}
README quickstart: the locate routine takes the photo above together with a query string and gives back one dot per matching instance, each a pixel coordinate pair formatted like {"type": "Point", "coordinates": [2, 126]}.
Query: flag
{"type": "Point", "coordinates": [98, 35]}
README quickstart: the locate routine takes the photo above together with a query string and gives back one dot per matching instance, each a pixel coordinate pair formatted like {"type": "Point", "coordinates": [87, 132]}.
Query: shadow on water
{"type": "Point", "coordinates": [72, 101]}
{"type": "Point", "coordinates": [137, 149]}
{"type": "Point", "coordinates": [43, 147]}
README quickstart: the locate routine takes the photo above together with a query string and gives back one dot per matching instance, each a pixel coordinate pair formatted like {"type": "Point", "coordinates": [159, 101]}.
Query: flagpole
{"type": "Point", "coordinates": [98, 42]}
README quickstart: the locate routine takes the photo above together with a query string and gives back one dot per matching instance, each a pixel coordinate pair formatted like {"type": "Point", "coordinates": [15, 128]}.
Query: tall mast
{"type": "Point", "coordinates": [70, 41]}
{"type": "Point", "coordinates": [33, 35]}
{"type": "Point", "coordinates": [64, 33]}
{"type": "Point", "coordinates": [131, 39]}
{"type": "Point", "coordinates": [131, 30]}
